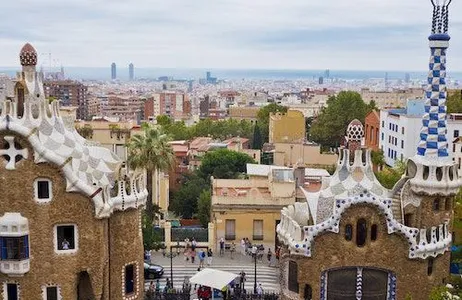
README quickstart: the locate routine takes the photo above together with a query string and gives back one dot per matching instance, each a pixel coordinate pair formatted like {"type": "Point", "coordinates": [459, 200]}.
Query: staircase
{"type": "Point", "coordinates": [396, 199]}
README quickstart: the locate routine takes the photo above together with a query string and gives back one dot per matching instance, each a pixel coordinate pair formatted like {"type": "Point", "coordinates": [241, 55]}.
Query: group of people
{"type": "Point", "coordinates": [156, 287]}
{"type": "Point", "coordinates": [247, 249]}
{"type": "Point", "coordinates": [190, 253]}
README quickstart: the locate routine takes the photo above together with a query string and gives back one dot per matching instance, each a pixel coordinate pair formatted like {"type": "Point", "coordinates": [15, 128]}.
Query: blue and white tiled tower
{"type": "Point", "coordinates": [433, 171]}
{"type": "Point", "coordinates": [433, 133]}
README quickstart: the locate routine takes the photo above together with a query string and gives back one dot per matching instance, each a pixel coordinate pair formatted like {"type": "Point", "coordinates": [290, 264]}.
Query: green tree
{"type": "Point", "coordinates": [331, 124]}
{"type": "Point", "coordinates": [223, 163]}
{"type": "Point", "coordinates": [454, 102]}
{"type": "Point", "coordinates": [388, 177]}
{"type": "Point", "coordinates": [263, 118]}
{"type": "Point", "coordinates": [257, 141]}
{"type": "Point", "coordinates": [184, 201]}
{"type": "Point", "coordinates": [203, 207]}
{"type": "Point", "coordinates": [163, 120]}
{"type": "Point", "coordinates": [151, 151]}
{"type": "Point", "coordinates": [152, 238]}
{"type": "Point", "coordinates": [377, 158]}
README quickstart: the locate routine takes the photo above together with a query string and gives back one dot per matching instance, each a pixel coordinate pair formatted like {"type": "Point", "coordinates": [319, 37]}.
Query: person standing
{"type": "Point", "coordinates": [222, 246]}
{"type": "Point", "coordinates": [209, 256]}
{"type": "Point", "coordinates": [193, 255]}
{"type": "Point", "coordinates": [242, 280]}
{"type": "Point", "coordinates": [201, 258]}
{"type": "Point", "coordinates": [233, 249]}
{"type": "Point", "coordinates": [259, 290]}
{"type": "Point", "coordinates": [243, 246]}
{"type": "Point", "coordinates": [157, 286]}
{"type": "Point", "coordinates": [269, 255]}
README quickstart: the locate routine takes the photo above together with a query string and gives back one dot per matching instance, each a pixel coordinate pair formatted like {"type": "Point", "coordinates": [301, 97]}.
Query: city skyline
{"type": "Point", "coordinates": [370, 35]}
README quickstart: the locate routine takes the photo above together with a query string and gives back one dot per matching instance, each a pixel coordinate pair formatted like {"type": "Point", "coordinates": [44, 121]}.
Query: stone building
{"type": "Point", "coordinates": [65, 232]}
{"type": "Point", "coordinates": [354, 239]}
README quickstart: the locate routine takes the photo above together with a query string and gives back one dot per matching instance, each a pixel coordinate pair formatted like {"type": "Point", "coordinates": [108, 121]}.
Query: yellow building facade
{"type": "Point", "coordinates": [287, 127]}
{"type": "Point", "coordinates": [250, 208]}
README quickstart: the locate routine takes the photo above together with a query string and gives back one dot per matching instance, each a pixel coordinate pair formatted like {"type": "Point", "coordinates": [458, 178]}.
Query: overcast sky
{"type": "Point", "coordinates": [264, 34]}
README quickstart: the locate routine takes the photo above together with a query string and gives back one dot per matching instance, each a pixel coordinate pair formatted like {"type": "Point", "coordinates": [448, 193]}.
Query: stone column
{"type": "Point", "coordinates": [168, 234]}
{"type": "Point", "coordinates": [211, 228]}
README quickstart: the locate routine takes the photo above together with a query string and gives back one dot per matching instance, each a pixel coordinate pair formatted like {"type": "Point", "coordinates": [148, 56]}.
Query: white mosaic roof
{"type": "Point", "coordinates": [88, 168]}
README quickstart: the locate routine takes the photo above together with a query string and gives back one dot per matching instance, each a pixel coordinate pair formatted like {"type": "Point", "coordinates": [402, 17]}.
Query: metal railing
{"type": "Point", "coordinates": [185, 295]}
{"type": "Point", "coordinates": [199, 234]}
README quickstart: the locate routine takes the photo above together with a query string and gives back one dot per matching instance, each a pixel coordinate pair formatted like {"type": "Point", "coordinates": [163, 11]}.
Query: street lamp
{"type": "Point", "coordinates": [254, 253]}
{"type": "Point", "coordinates": [171, 255]}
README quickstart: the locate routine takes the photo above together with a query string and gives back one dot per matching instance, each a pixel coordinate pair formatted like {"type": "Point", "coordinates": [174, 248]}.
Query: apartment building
{"type": "Point", "coordinates": [70, 93]}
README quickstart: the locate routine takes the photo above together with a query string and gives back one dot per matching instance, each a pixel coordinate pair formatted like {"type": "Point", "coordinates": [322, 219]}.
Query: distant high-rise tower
{"type": "Point", "coordinates": [321, 80]}
{"type": "Point", "coordinates": [386, 81]}
{"type": "Point", "coordinates": [113, 71]}
{"type": "Point", "coordinates": [407, 78]}
{"type": "Point", "coordinates": [131, 71]}
{"type": "Point", "coordinates": [208, 76]}
{"type": "Point", "coordinates": [327, 73]}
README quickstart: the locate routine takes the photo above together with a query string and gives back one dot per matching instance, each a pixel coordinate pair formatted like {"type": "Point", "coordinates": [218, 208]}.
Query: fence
{"type": "Point", "coordinates": [199, 234]}
{"type": "Point", "coordinates": [203, 236]}
{"type": "Point", "coordinates": [180, 295]}
{"type": "Point", "coordinates": [171, 295]}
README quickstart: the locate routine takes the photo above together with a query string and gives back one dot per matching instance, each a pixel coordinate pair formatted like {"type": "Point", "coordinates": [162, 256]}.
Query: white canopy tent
{"type": "Point", "coordinates": [213, 278]}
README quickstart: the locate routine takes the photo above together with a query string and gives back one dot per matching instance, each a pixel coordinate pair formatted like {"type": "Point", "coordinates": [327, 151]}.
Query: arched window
{"type": "Point", "coordinates": [373, 232]}
{"type": "Point", "coordinates": [361, 232]}
{"type": "Point", "coordinates": [430, 266]}
{"type": "Point", "coordinates": [436, 204]}
{"type": "Point", "coordinates": [348, 232]}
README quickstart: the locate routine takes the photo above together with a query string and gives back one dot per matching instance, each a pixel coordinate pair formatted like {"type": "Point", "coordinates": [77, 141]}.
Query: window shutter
{"type": "Point", "coordinates": [4, 249]}
{"type": "Point", "coordinates": [26, 246]}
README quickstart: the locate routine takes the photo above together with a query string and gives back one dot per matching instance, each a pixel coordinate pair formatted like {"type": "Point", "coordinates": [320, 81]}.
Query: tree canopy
{"type": "Point", "coordinates": [203, 207]}
{"type": "Point", "coordinates": [454, 102]}
{"type": "Point", "coordinates": [221, 129]}
{"type": "Point", "coordinates": [388, 177]}
{"type": "Point", "coordinates": [150, 150]}
{"type": "Point", "coordinates": [224, 164]}
{"type": "Point", "coordinates": [331, 124]}
{"type": "Point", "coordinates": [193, 196]}
{"type": "Point", "coordinates": [184, 201]}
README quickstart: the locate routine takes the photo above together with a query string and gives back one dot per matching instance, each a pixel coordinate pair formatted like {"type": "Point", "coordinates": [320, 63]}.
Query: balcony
{"type": "Point", "coordinates": [15, 267]}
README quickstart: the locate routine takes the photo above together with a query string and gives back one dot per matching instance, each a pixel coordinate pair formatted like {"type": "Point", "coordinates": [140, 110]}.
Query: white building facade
{"type": "Point", "coordinates": [400, 132]}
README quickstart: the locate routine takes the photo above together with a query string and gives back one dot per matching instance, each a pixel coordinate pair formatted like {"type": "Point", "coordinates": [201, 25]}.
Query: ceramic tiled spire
{"type": "Point", "coordinates": [433, 143]}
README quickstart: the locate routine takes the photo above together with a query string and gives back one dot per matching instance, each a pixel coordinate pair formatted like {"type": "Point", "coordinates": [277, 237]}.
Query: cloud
{"type": "Point", "coordinates": [355, 34]}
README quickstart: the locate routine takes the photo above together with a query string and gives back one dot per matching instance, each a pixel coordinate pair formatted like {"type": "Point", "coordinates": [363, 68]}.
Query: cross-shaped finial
{"type": "Point", "coordinates": [12, 152]}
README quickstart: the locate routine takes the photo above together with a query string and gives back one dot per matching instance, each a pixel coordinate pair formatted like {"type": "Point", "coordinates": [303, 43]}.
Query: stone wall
{"type": "Point", "coordinates": [124, 251]}
{"type": "Point", "coordinates": [47, 267]}
{"type": "Point", "coordinates": [389, 252]}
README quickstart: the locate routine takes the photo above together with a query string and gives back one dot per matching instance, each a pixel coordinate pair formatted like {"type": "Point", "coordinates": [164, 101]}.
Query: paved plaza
{"type": "Point", "coordinates": [267, 275]}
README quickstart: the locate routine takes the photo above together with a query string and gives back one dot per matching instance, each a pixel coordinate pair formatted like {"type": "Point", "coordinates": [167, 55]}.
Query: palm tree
{"type": "Point", "coordinates": [151, 151]}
